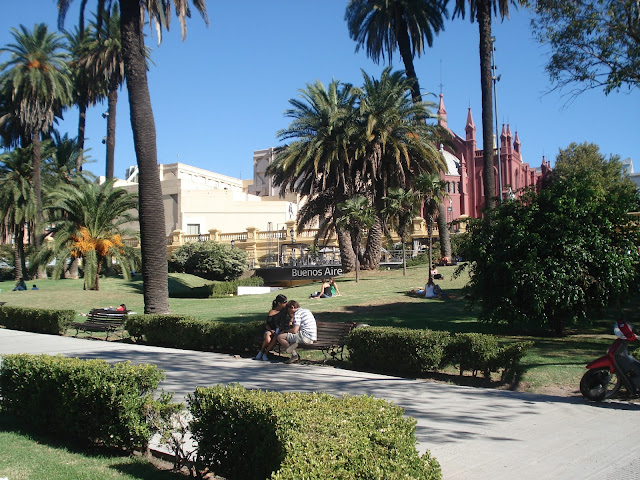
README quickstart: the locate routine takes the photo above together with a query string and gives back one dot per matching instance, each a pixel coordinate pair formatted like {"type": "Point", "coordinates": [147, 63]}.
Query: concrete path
{"type": "Point", "coordinates": [474, 433]}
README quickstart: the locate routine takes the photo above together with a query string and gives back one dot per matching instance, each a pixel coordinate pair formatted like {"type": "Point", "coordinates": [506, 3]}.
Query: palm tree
{"type": "Point", "coordinates": [393, 147]}
{"type": "Point", "coordinates": [319, 158]}
{"type": "Point", "coordinates": [89, 223]}
{"type": "Point", "coordinates": [84, 88]}
{"type": "Point", "coordinates": [400, 207]}
{"type": "Point", "coordinates": [37, 81]}
{"type": "Point", "coordinates": [152, 229]}
{"type": "Point", "coordinates": [432, 189]}
{"type": "Point", "coordinates": [383, 25]}
{"type": "Point", "coordinates": [17, 201]}
{"type": "Point", "coordinates": [357, 215]}
{"type": "Point", "coordinates": [102, 59]}
{"type": "Point", "coordinates": [481, 10]}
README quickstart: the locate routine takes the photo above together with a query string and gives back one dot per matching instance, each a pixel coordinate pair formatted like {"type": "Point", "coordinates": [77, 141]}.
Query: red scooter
{"type": "Point", "coordinates": [617, 368]}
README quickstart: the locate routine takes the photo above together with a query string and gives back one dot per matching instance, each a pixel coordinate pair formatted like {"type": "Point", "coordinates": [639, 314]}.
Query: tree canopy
{"type": "Point", "coordinates": [594, 44]}
{"type": "Point", "coordinates": [550, 260]}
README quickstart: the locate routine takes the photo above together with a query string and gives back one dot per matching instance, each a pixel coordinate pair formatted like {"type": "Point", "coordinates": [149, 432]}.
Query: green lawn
{"type": "Point", "coordinates": [378, 299]}
{"type": "Point", "coordinates": [26, 455]}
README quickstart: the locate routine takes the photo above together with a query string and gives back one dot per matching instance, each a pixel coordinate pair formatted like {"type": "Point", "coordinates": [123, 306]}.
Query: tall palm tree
{"type": "Point", "coordinates": [481, 10]}
{"type": "Point", "coordinates": [102, 59]}
{"type": "Point", "coordinates": [400, 208]}
{"type": "Point", "coordinates": [384, 25]}
{"type": "Point", "coordinates": [61, 156]}
{"type": "Point", "coordinates": [152, 229]}
{"type": "Point", "coordinates": [84, 88]}
{"type": "Point", "coordinates": [89, 222]}
{"type": "Point", "coordinates": [393, 147]}
{"type": "Point", "coordinates": [432, 189]}
{"type": "Point", "coordinates": [320, 157]}
{"type": "Point", "coordinates": [357, 215]}
{"type": "Point", "coordinates": [17, 201]}
{"type": "Point", "coordinates": [37, 81]}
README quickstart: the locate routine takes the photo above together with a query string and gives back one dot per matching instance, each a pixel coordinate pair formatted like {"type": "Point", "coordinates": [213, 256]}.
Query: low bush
{"type": "Point", "coordinates": [37, 320]}
{"type": "Point", "coordinates": [403, 351]}
{"type": "Point", "coordinates": [212, 260]}
{"type": "Point", "coordinates": [7, 273]}
{"type": "Point", "coordinates": [253, 434]}
{"type": "Point", "coordinates": [195, 334]}
{"type": "Point", "coordinates": [82, 399]}
{"type": "Point", "coordinates": [396, 350]}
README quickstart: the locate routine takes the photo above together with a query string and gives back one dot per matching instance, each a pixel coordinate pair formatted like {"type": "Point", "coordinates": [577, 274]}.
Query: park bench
{"type": "Point", "coordinates": [102, 320]}
{"type": "Point", "coordinates": [331, 339]}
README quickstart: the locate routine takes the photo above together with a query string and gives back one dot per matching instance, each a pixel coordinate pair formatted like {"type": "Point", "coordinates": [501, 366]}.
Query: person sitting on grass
{"type": "Point", "coordinates": [334, 288]}
{"type": "Point", "coordinates": [430, 290]}
{"type": "Point", "coordinates": [303, 330]}
{"type": "Point", "coordinates": [277, 321]}
{"type": "Point", "coordinates": [325, 290]}
{"type": "Point", "coordinates": [20, 285]}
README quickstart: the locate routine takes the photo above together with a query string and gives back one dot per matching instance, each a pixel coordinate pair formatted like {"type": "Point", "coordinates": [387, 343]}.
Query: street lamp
{"type": "Point", "coordinates": [292, 232]}
{"type": "Point", "coordinates": [495, 79]}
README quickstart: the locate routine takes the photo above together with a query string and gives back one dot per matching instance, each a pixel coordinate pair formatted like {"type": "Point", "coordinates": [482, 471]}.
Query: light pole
{"type": "Point", "coordinates": [292, 232]}
{"type": "Point", "coordinates": [496, 79]}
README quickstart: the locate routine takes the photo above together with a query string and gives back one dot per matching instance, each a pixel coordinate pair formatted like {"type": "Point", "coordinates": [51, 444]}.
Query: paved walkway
{"type": "Point", "coordinates": [474, 433]}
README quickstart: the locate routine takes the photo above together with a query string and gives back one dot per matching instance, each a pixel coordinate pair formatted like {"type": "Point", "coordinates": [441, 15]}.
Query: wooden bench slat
{"type": "Point", "coordinates": [331, 338]}
{"type": "Point", "coordinates": [101, 320]}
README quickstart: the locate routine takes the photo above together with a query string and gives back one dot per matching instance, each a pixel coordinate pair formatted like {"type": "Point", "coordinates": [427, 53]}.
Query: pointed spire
{"type": "Point", "coordinates": [516, 143]}
{"type": "Point", "coordinates": [442, 113]}
{"type": "Point", "coordinates": [470, 127]}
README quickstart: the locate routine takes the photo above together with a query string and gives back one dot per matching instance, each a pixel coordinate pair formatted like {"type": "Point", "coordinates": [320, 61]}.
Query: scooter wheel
{"type": "Point", "coordinates": [599, 384]}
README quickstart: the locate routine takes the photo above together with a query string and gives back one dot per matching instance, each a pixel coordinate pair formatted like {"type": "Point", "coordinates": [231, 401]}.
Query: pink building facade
{"type": "Point", "coordinates": [464, 169]}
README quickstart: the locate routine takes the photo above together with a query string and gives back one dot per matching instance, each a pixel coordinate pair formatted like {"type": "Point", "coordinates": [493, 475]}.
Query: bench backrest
{"type": "Point", "coordinates": [106, 316]}
{"type": "Point", "coordinates": [330, 333]}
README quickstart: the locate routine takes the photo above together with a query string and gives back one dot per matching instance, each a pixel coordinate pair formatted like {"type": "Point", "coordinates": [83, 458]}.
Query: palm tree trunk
{"type": "Point", "coordinates": [443, 232]}
{"type": "Point", "coordinates": [111, 131]}
{"type": "Point", "coordinates": [153, 240]}
{"type": "Point", "coordinates": [347, 256]}
{"type": "Point", "coordinates": [37, 185]}
{"type": "Point", "coordinates": [484, 24]}
{"type": "Point", "coordinates": [18, 253]}
{"type": "Point", "coordinates": [430, 250]}
{"type": "Point", "coordinates": [373, 248]}
{"type": "Point", "coordinates": [404, 260]}
{"type": "Point", "coordinates": [404, 46]}
{"type": "Point", "coordinates": [82, 122]}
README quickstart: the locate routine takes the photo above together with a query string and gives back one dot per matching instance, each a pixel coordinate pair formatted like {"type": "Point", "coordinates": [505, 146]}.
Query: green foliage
{"type": "Point", "coordinates": [553, 259]}
{"type": "Point", "coordinates": [304, 435]}
{"type": "Point", "coordinates": [212, 260]}
{"type": "Point", "coordinates": [37, 320]}
{"type": "Point", "coordinates": [403, 351]}
{"type": "Point", "coordinates": [595, 44]}
{"type": "Point", "coordinates": [194, 334]}
{"type": "Point", "coordinates": [89, 400]}
{"type": "Point", "coordinates": [397, 350]}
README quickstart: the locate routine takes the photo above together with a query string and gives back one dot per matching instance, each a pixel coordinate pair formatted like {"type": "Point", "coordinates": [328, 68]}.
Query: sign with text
{"type": "Point", "coordinates": [309, 272]}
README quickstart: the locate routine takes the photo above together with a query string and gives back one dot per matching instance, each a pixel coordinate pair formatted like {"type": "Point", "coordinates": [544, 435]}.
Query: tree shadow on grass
{"type": "Point", "coordinates": [143, 470]}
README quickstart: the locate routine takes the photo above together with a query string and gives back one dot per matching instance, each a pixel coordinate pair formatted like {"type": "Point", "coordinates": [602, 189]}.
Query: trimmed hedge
{"type": "Point", "coordinates": [37, 320]}
{"type": "Point", "coordinates": [82, 399]}
{"type": "Point", "coordinates": [178, 331]}
{"type": "Point", "coordinates": [404, 351]}
{"type": "Point", "coordinates": [253, 434]}
{"type": "Point", "coordinates": [389, 349]}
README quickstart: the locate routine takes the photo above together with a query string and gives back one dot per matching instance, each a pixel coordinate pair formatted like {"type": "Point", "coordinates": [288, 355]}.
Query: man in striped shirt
{"type": "Point", "coordinates": [303, 330]}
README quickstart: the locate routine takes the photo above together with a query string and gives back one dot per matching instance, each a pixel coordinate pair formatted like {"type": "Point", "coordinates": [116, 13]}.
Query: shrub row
{"type": "Point", "coordinates": [81, 399]}
{"type": "Point", "coordinates": [241, 434]}
{"type": "Point", "coordinates": [195, 334]}
{"type": "Point", "coordinates": [215, 290]}
{"type": "Point", "coordinates": [252, 434]}
{"type": "Point", "coordinates": [37, 320]}
{"type": "Point", "coordinates": [406, 351]}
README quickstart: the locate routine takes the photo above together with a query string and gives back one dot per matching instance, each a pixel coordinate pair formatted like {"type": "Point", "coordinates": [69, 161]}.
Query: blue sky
{"type": "Point", "coordinates": [221, 93]}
